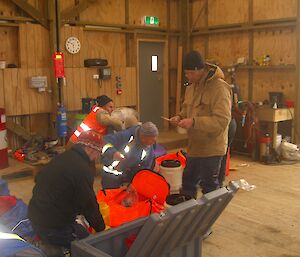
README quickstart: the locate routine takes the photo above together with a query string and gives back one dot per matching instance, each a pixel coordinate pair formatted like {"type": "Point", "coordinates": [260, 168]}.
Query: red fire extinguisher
{"type": "Point", "coordinates": [58, 61]}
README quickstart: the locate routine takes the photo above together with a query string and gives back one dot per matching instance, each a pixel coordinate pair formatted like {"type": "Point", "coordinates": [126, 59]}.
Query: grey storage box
{"type": "Point", "coordinates": [176, 232]}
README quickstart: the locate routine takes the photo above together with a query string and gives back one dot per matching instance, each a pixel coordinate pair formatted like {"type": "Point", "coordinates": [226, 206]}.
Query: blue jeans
{"type": "Point", "coordinates": [203, 171]}
{"type": "Point", "coordinates": [61, 237]}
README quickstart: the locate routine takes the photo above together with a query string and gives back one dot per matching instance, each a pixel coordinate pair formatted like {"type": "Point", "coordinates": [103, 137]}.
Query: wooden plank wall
{"type": "Point", "coordinates": [274, 9]}
{"type": "Point", "coordinates": [227, 12]}
{"type": "Point", "coordinates": [79, 80]}
{"type": "Point", "coordinates": [9, 45]}
{"type": "Point", "coordinates": [7, 8]}
{"type": "Point", "coordinates": [226, 47]}
{"type": "Point", "coordinates": [138, 9]}
{"type": "Point", "coordinates": [28, 47]}
{"type": "Point", "coordinates": [34, 58]}
{"type": "Point", "coordinates": [111, 12]}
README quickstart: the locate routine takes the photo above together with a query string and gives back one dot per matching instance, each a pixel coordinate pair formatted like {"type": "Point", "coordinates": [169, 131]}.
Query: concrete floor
{"type": "Point", "coordinates": [264, 222]}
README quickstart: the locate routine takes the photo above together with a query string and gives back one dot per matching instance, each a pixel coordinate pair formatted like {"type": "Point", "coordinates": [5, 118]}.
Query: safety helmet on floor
{"type": "Point", "coordinates": [92, 139]}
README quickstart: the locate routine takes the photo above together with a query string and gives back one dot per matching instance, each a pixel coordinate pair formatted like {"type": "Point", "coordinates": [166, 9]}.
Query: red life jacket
{"type": "Point", "coordinates": [89, 123]}
{"type": "Point", "coordinates": [151, 189]}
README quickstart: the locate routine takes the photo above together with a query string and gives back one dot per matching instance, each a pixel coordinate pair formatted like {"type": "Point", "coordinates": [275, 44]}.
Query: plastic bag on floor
{"type": "Point", "coordinates": [243, 184]}
{"type": "Point", "coordinates": [289, 151]}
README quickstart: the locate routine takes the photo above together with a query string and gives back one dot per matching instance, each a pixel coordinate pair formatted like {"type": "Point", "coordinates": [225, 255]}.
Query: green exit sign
{"type": "Point", "coordinates": [151, 20]}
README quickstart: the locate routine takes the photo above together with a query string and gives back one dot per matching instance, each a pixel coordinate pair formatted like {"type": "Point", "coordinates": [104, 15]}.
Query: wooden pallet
{"type": "Point", "coordinates": [17, 169]}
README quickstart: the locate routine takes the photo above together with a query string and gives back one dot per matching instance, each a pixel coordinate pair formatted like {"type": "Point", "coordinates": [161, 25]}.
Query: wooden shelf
{"type": "Point", "coordinates": [274, 115]}
{"type": "Point", "coordinates": [261, 68]}
{"type": "Point", "coordinates": [255, 26]}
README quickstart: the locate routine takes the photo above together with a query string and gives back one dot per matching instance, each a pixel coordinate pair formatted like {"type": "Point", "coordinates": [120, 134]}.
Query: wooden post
{"type": "Point", "coordinates": [250, 55]}
{"type": "Point", "coordinates": [297, 100]}
{"type": "Point", "coordinates": [179, 79]}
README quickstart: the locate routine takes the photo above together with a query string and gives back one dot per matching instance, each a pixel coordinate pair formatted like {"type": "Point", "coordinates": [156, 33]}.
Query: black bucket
{"type": "Point", "coordinates": [175, 199]}
{"type": "Point", "coordinates": [170, 163]}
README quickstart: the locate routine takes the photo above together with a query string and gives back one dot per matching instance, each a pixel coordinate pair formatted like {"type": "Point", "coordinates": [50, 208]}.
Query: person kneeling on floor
{"type": "Point", "coordinates": [63, 190]}
{"type": "Point", "coordinates": [127, 152]}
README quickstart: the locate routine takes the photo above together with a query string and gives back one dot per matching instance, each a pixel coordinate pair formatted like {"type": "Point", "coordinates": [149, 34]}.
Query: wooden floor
{"type": "Point", "coordinates": [264, 222]}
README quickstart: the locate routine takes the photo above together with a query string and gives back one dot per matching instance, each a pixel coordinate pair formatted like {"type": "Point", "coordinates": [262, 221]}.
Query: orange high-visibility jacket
{"type": "Point", "coordinates": [89, 123]}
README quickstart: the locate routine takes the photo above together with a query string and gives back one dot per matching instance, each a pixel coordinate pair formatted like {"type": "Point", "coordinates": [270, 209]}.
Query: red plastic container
{"type": "Point", "coordinates": [290, 103]}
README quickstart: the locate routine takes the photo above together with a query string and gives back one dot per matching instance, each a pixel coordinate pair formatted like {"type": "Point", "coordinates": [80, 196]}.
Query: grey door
{"type": "Point", "coordinates": [151, 82]}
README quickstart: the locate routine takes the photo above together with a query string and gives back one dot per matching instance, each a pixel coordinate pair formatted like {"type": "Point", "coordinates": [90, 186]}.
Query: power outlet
{"type": "Point", "coordinates": [95, 76]}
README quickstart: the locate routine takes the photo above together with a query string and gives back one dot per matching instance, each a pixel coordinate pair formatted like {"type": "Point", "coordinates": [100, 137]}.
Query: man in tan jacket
{"type": "Point", "coordinates": [206, 113]}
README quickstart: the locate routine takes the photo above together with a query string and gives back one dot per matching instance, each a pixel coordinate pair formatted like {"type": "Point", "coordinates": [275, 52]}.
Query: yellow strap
{"type": "Point", "coordinates": [105, 147]}
{"type": "Point", "coordinates": [10, 236]}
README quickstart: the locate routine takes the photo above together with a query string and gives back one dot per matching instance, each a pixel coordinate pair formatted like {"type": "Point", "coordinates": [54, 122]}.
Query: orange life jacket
{"type": "Point", "coordinates": [151, 189]}
{"type": "Point", "coordinates": [89, 123]}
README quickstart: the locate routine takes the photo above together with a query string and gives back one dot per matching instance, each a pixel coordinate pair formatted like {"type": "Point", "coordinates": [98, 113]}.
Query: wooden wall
{"type": "Point", "coordinates": [28, 46]}
{"type": "Point", "coordinates": [226, 47]}
{"type": "Point", "coordinates": [79, 80]}
{"type": "Point", "coordinates": [33, 60]}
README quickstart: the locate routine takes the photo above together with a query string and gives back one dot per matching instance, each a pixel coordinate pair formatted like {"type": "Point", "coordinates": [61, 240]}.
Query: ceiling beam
{"type": "Point", "coordinates": [73, 11]}
{"type": "Point", "coordinates": [34, 13]}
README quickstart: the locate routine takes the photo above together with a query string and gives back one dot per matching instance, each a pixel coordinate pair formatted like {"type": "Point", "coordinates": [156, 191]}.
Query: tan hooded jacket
{"type": "Point", "coordinates": [208, 102]}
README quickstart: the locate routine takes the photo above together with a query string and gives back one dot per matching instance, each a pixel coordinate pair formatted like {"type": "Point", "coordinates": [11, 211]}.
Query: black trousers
{"type": "Point", "coordinates": [231, 133]}
{"type": "Point", "coordinates": [61, 237]}
{"type": "Point", "coordinates": [203, 171]}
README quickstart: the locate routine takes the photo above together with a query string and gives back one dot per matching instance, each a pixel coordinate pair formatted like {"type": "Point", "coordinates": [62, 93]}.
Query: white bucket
{"type": "Point", "coordinates": [181, 130]}
{"type": "Point", "coordinates": [173, 175]}
{"type": "Point", "coordinates": [278, 141]}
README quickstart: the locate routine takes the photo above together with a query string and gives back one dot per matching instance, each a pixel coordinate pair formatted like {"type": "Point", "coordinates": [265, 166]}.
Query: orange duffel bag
{"type": "Point", "coordinates": [146, 194]}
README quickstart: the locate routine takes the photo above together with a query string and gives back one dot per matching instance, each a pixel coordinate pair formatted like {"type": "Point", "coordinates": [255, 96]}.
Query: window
{"type": "Point", "coordinates": [154, 63]}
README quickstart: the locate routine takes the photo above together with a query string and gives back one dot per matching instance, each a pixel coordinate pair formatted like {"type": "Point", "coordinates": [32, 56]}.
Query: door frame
{"type": "Point", "coordinates": [165, 77]}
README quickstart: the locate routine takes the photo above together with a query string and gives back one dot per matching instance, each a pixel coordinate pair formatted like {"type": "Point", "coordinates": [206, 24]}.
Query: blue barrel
{"type": "Point", "coordinates": [61, 120]}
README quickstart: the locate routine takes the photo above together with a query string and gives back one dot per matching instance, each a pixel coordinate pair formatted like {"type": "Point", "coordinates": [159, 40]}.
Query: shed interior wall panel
{"type": "Point", "coordinates": [274, 9]}
{"type": "Point", "coordinates": [138, 9]}
{"type": "Point", "coordinates": [7, 8]}
{"type": "Point", "coordinates": [228, 47]}
{"type": "Point", "coordinates": [9, 45]}
{"type": "Point", "coordinates": [270, 81]}
{"type": "Point", "coordinates": [222, 12]}
{"type": "Point", "coordinates": [279, 44]}
{"type": "Point", "coordinates": [111, 12]}
{"type": "Point", "coordinates": [198, 14]}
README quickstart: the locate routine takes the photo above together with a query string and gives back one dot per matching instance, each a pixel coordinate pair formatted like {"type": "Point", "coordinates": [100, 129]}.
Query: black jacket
{"type": "Point", "coordinates": [64, 189]}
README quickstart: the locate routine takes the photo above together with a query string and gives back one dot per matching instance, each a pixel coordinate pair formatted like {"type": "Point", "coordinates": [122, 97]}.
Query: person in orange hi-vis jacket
{"type": "Point", "coordinates": [98, 119]}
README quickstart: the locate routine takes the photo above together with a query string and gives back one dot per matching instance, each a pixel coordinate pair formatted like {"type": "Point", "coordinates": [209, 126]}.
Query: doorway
{"type": "Point", "coordinates": [152, 82]}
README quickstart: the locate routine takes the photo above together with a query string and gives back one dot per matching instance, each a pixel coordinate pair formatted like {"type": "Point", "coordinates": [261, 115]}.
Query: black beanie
{"type": "Point", "coordinates": [193, 61]}
{"type": "Point", "coordinates": [103, 100]}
